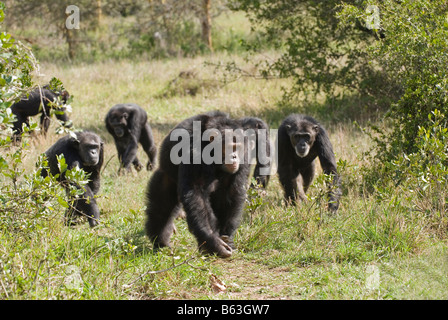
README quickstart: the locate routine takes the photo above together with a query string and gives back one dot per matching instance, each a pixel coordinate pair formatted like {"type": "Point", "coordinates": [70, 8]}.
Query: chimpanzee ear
{"type": "Point", "coordinates": [125, 115]}
{"type": "Point", "coordinates": [316, 128]}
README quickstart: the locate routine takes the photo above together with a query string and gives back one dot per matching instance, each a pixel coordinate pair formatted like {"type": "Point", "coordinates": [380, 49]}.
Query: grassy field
{"type": "Point", "coordinates": [373, 249]}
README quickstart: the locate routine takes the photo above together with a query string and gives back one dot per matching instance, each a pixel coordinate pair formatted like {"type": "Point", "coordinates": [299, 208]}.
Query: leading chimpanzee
{"type": "Point", "coordinates": [31, 106]}
{"type": "Point", "coordinates": [128, 124]}
{"type": "Point", "coordinates": [301, 139]}
{"type": "Point", "coordinates": [203, 171]}
{"type": "Point", "coordinates": [86, 152]}
{"type": "Point", "coordinates": [262, 148]}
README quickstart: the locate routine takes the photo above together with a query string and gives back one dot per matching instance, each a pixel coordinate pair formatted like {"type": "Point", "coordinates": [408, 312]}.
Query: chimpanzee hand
{"type": "Point", "coordinates": [214, 244]}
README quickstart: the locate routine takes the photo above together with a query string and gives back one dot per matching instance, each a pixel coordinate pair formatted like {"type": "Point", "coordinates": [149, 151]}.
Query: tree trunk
{"type": "Point", "coordinates": [207, 24]}
{"type": "Point", "coordinates": [70, 37]}
{"type": "Point", "coordinates": [99, 13]}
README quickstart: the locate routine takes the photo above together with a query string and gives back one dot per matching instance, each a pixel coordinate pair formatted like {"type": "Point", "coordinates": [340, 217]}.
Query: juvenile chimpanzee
{"type": "Point", "coordinates": [86, 152]}
{"type": "Point", "coordinates": [301, 139]}
{"type": "Point", "coordinates": [204, 172]}
{"type": "Point", "coordinates": [31, 106]}
{"type": "Point", "coordinates": [128, 124]}
{"type": "Point", "coordinates": [262, 148]}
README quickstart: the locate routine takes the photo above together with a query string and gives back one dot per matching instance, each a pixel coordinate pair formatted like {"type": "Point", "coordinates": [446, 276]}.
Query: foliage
{"type": "Point", "coordinates": [413, 53]}
{"type": "Point", "coordinates": [29, 202]}
{"type": "Point", "coordinates": [16, 65]}
{"type": "Point", "coordinates": [423, 175]}
{"type": "Point", "coordinates": [120, 29]}
{"type": "Point", "coordinates": [317, 53]}
{"type": "Point", "coordinates": [332, 47]}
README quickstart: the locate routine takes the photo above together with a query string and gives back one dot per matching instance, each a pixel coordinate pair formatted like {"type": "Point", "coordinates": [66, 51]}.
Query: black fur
{"type": "Point", "coordinates": [257, 124]}
{"type": "Point", "coordinates": [85, 152]}
{"type": "Point", "coordinates": [213, 199]}
{"type": "Point", "coordinates": [128, 124]}
{"type": "Point", "coordinates": [296, 173]}
{"type": "Point", "coordinates": [31, 106]}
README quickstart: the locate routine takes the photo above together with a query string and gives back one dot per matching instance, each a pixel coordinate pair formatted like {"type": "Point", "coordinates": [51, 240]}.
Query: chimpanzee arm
{"type": "Point", "coordinates": [195, 186]}
{"type": "Point", "coordinates": [328, 163]}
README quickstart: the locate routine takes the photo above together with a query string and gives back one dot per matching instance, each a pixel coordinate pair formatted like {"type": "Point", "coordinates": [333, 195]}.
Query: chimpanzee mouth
{"type": "Point", "coordinates": [90, 163]}
{"type": "Point", "coordinates": [302, 154]}
{"type": "Point", "coordinates": [119, 132]}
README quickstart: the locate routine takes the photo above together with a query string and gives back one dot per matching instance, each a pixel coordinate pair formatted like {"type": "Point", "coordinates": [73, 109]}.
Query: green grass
{"type": "Point", "coordinates": [292, 253]}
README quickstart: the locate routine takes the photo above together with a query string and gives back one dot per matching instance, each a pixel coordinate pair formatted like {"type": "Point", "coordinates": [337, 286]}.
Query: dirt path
{"type": "Point", "coordinates": [250, 280]}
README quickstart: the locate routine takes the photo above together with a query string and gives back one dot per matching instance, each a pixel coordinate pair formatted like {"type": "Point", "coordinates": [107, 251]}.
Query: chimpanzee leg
{"type": "Point", "coordinates": [288, 180]}
{"type": "Point", "coordinates": [45, 122]}
{"type": "Point", "coordinates": [18, 124]}
{"type": "Point", "coordinates": [122, 144]}
{"type": "Point", "coordinates": [130, 151]}
{"type": "Point", "coordinates": [162, 209]}
{"type": "Point", "coordinates": [147, 141]}
{"type": "Point", "coordinates": [84, 206]}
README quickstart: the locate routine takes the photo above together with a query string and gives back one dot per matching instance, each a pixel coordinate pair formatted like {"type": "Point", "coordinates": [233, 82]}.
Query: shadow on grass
{"type": "Point", "coordinates": [345, 109]}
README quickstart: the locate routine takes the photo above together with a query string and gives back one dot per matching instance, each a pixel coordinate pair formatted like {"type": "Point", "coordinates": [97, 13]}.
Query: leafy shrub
{"type": "Point", "coordinates": [413, 55]}
{"type": "Point", "coordinates": [28, 201]}
{"type": "Point", "coordinates": [423, 175]}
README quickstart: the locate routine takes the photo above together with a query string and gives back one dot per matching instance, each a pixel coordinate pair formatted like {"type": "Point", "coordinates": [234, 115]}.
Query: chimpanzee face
{"type": "Point", "coordinates": [302, 140]}
{"type": "Point", "coordinates": [119, 123]}
{"type": "Point", "coordinates": [231, 149]}
{"type": "Point", "coordinates": [231, 160]}
{"type": "Point", "coordinates": [65, 96]}
{"type": "Point", "coordinates": [232, 152]}
{"type": "Point", "coordinates": [89, 150]}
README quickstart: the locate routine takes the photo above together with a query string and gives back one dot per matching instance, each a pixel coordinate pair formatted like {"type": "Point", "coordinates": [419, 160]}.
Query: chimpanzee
{"type": "Point", "coordinates": [263, 148]}
{"type": "Point", "coordinates": [86, 152]}
{"type": "Point", "coordinates": [128, 124]}
{"type": "Point", "coordinates": [31, 106]}
{"type": "Point", "coordinates": [204, 171]}
{"type": "Point", "coordinates": [301, 139]}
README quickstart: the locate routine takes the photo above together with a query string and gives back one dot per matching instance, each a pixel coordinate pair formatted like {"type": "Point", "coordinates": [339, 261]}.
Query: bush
{"type": "Point", "coordinates": [413, 54]}
{"type": "Point", "coordinates": [28, 201]}
{"type": "Point", "coordinates": [423, 175]}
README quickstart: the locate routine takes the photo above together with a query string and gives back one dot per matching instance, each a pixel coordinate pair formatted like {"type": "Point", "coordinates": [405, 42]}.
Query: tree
{"type": "Point", "coordinates": [391, 52]}
{"type": "Point", "coordinates": [318, 53]}
{"type": "Point", "coordinates": [413, 53]}
{"type": "Point", "coordinates": [207, 24]}
{"type": "Point", "coordinates": [53, 13]}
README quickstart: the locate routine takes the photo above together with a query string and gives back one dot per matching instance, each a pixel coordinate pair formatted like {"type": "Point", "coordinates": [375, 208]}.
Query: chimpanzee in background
{"type": "Point", "coordinates": [86, 152]}
{"type": "Point", "coordinates": [212, 193]}
{"type": "Point", "coordinates": [128, 124]}
{"type": "Point", "coordinates": [31, 106]}
{"type": "Point", "coordinates": [263, 165]}
{"type": "Point", "coordinates": [301, 139]}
